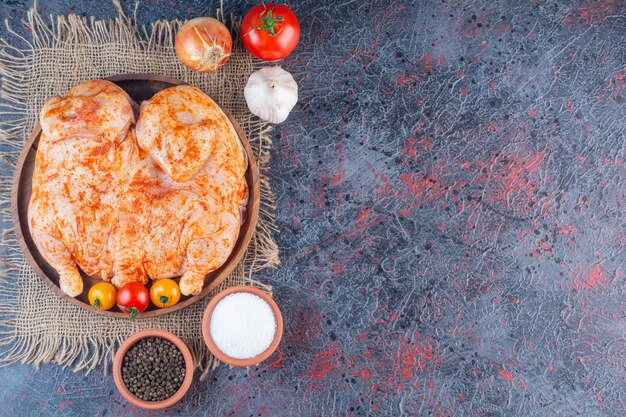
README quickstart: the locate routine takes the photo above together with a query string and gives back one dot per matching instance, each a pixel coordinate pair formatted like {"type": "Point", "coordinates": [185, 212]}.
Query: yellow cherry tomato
{"type": "Point", "coordinates": [102, 295]}
{"type": "Point", "coordinates": [164, 293]}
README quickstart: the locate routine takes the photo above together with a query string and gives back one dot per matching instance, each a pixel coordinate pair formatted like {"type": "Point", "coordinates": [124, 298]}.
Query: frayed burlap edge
{"type": "Point", "coordinates": [17, 119]}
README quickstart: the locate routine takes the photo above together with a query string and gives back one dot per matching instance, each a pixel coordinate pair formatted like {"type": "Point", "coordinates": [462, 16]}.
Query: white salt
{"type": "Point", "coordinates": [242, 325]}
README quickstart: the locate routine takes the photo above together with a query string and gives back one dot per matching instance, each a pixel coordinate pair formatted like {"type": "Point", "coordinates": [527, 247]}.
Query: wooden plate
{"type": "Point", "coordinates": [140, 87]}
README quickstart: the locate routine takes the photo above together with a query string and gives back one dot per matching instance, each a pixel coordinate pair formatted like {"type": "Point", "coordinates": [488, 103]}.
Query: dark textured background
{"type": "Point", "coordinates": [451, 209]}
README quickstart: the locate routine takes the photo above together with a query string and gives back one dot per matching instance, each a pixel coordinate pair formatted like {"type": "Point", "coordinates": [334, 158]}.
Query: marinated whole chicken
{"type": "Point", "coordinates": [128, 203]}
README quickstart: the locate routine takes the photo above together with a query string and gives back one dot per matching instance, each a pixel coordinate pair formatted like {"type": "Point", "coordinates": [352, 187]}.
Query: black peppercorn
{"type": "Point", "coordinates": [153, 369]}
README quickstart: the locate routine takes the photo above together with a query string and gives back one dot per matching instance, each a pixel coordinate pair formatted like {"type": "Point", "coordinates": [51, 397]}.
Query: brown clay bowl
{"type": "Point", "coordinates": [206, 329]}
{"type": "Point", "coordinates": [117, 369]}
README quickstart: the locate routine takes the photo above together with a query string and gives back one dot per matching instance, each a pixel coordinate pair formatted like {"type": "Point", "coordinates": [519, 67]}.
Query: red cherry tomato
{"type": "Point", "coordinates": [270, 31]}
{"type": "Point", "coordinates": [133, 298]}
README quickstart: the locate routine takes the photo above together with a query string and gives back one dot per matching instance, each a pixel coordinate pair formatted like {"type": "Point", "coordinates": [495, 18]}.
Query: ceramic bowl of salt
{"type": "Point", "coordinates": [242, 326]}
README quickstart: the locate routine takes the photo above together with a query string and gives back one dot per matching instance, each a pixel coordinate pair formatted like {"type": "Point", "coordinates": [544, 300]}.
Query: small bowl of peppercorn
{"type": "Point", "coordinates": [153, 369]}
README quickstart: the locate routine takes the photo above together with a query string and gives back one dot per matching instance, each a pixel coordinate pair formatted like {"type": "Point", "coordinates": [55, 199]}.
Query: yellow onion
{"type": "Point", "coordinates": [203, 44]}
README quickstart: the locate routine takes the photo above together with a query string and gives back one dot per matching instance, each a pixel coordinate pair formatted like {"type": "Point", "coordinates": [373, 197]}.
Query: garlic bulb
{"type": "Point", "coordinates": [271, 93]}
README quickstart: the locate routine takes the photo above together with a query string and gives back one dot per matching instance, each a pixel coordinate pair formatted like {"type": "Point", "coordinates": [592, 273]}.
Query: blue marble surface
{"type": "Point", "coordinates": [451, 210]}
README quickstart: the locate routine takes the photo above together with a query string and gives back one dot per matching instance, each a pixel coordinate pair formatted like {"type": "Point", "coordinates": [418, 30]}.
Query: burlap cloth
{"type": "Point", "coordinates": [36, 325]}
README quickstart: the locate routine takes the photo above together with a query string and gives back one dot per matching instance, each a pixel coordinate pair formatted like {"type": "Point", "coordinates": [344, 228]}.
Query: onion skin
{"type": "Point", "coordinates": [203, 44]}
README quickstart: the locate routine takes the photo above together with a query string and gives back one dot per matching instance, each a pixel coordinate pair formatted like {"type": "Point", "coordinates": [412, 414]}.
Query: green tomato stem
{"type": "Point", "coordinates": [269, 22]}
{"type": "Point", "coordinates": [131, 311]}
{"type": "Point", "coordinates": [163, 299]}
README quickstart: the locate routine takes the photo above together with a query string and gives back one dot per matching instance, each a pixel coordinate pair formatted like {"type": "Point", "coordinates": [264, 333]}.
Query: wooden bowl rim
{"type": "Point", "coordinates": [206, 331]}
{"type": "Point", "coordinates": [117, 369]}
{"type": "Point", "coordinates": [252, 177]}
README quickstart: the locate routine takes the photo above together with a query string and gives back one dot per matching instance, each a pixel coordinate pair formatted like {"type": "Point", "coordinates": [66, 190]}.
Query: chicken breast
{"type": "Point", "coordinates": [177, 128]}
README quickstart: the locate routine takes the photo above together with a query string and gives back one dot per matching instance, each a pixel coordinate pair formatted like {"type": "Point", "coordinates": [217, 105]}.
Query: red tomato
{"type": "Point", "coordinates": [133, 298]}
{"type": "Point", "coordinates": [270, 31]}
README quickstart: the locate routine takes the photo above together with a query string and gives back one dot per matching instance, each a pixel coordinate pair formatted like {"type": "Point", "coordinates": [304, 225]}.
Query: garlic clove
{"type": "Point", "coordinates": [271, 93]}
